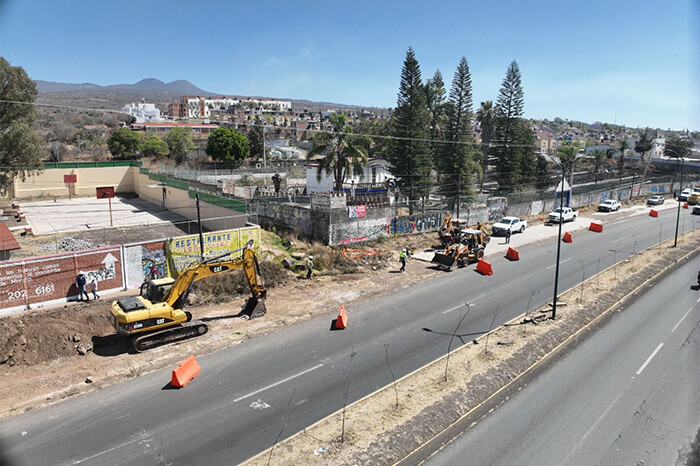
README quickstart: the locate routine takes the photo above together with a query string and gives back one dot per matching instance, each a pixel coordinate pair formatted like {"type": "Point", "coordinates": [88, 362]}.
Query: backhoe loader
{"type": "Point", "coordinates": [155, 317]}
{"type": "Point", "coordinates": [471, 249]}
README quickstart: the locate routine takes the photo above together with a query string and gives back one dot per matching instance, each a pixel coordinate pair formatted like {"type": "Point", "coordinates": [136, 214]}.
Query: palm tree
{"type": "Point", "coordinates": [568, 156]}
{"type": "Point", "coordinates": [485, 116]}
{"type": "Point", "coordinates": [599, 157]}
{"type": "Point", "coordinates": [341, 150]}
{"type": "Point", "coordinates": [621, 161]}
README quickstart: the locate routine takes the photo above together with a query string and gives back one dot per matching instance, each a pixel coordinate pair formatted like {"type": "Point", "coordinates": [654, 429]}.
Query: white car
{"type": "Point", "coordinates": [608, 205]}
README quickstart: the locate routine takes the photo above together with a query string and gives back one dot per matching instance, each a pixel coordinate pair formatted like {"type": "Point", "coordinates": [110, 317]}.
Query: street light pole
{"type": "Point", "coordinates": [678, 214]}
{"type": "Point", "coordinates": [561, 222]}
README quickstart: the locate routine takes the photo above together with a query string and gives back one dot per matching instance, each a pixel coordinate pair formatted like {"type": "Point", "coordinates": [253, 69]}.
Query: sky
{"type": "Point", "coordinates": [634, 63]}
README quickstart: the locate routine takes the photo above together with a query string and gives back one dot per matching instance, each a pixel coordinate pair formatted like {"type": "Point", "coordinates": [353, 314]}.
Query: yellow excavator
{"type": "Point", "coordinates": [155, 317]}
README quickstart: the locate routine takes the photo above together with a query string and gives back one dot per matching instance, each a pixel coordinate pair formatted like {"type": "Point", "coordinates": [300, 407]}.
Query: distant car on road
{"type": "Point", "coordinates": [609, 205]}
{"type": "Point", "coordinates": [683, 196]}
{"type": "Point", "coordinates": [655, 200]}
{"type": "Point", "coordinates": [696, 210]}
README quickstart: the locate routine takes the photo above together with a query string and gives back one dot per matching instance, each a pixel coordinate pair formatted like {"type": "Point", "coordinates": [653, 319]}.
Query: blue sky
{"type": "Point", "coordinates": [631, 62]}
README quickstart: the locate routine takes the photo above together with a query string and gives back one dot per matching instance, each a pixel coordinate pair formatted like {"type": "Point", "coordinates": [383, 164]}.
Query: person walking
{"type": "Point", "coordinates": [93, 287]}
{"type": "Point", "coordinates": [309, 266]}
{"type": "Point", "coordinates": [81, 284]}
{"type": "Point", "coordinates": [154, 272]}
{"type": "Point", "coordinates": [402, 259]}
{"type": "Point", "coordinates": [508, 233]}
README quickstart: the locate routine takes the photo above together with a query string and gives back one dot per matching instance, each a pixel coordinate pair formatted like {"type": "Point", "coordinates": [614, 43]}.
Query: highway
{"type": "Point", "coordinates": [630, 394]}
{"type": "Point", "coordinates": [237, 407]}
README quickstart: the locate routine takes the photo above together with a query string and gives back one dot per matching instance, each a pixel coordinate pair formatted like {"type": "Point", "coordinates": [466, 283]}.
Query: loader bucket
{"type": "Point", "coordinates": [254, 308]}
{"type": "Point", "coordinates": [443, 259]}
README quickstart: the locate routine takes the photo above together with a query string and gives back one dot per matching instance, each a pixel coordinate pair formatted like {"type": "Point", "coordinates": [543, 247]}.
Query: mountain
{"type": "Point", "coordinates": [180, 87]}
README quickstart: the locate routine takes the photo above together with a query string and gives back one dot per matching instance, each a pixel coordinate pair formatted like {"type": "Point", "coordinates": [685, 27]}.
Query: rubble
{"type": "Point", "coordinates": [68, 244]}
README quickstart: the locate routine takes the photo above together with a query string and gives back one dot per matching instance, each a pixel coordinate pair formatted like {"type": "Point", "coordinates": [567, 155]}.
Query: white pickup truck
{"type": "Point", "coordinates": [514, 224]}
{"type": "Point", "coordinates": [567, 214]}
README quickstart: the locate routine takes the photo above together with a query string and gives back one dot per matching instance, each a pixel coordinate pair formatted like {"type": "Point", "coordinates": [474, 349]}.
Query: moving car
{"type": "Point", "coordinates": [655, 200]}
{"type": "Point", "coordinates": [696, 210]}
{"type": "Point", "coordinates": [684, 194]}
{"type": "Point", "coordinates": [609, 205]}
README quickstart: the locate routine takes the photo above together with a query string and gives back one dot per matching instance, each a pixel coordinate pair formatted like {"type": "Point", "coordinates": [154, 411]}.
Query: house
{"type": "Point", "coordinates": [373, 179]}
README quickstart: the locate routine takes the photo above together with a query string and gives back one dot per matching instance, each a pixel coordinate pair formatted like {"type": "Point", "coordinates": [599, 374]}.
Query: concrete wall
{"type": "Point", "coordinates": [50, 182]}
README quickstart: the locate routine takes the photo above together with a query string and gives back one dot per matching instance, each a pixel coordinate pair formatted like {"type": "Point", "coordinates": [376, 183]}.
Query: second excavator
{"type": "Point", "coordinates": [155, 317]}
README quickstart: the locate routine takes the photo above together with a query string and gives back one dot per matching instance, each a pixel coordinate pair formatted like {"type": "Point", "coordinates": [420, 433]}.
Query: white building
{"type": "Point", "coordinates": [658, 144]}
{"type": "Point", "coordinates": [143, 112]}
{"type": "Point", "coordinates": [373, 177]}
{"type": "Point", "coordinates": [200, 107]}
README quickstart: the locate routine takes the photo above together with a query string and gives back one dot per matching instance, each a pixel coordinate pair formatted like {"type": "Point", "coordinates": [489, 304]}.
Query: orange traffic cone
{"type": "Point", "coordinates": [653, 213]}
{"type": "Point", "coordinates": [512, 254]}
{"type": "Point", "coordinates": [685, 205]}
{"type": "Point", "coordinates": [484, 268]}
{"type": "Point", "coordinates": [567, 238]}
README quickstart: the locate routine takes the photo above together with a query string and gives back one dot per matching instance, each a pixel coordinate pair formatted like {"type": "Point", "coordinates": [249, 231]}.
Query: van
{"type": "Point", "coordinates": [694, 197]}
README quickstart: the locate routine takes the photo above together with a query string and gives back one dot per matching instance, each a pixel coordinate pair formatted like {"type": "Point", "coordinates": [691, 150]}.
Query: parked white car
{"type": "Point", "coordinates": [514, 224]}
{"type": "Point", "coordinates": [567, 214]}
{"type": "Point", "coordinates": [609, 205]}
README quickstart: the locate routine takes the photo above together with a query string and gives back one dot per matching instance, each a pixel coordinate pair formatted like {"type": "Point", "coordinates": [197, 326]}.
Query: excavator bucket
{"type": "Point", "coordinates": [254, 308]}
{"type": "Point", "coordinates": [443, 259]}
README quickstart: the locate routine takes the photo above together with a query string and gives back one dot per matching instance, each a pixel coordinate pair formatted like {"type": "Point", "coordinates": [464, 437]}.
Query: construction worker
{"type": "Point", "coordinates": [402, 259]}
{"type": "Point", "coordinates": [309, 266]}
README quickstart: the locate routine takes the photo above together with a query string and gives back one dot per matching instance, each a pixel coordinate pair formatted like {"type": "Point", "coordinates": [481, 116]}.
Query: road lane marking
{"type": "Point", "coordinates": [278, 383]}
{"type": "Point", "coordinates": [107, 451]}
{"type": "Point", "coordinates": [682, 318]}
{"type": "Point", "coordinates": [469, 304]}
{"type": "Point", "coordinates": [560, 262]}
{"type": "Point", "coordinates": [649, 358]}
{"type": "Point", "coordinates": [619, 239]}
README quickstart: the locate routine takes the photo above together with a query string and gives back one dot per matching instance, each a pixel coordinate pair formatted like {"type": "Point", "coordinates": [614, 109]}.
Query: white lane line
{"type": "Point", "coordinates": [452, 309]}
{"type": "Point", "coordinates": [698, 301]}
{"type": "Point", "coordinates": [682, 318]}
{"type": "Point", "coordinates": [107, 451]}
{"type": "Point", "coordinates": [560, 262]}
{"type": "Point", "coordinates": [619, 239]}
{"type": "Point", "coordinates": [470, 303]}
{"type": "Point", "coordinates": [649, 358]}
{"type": "Point", "coordinates": [278, 383]}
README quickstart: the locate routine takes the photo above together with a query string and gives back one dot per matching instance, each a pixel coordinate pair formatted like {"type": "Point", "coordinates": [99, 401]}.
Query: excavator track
{"type": "Point", "coordinates": [193, 328]}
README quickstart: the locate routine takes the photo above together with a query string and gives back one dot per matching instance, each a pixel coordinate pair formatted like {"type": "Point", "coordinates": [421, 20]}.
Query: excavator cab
{"type": "Point", "coordinates": [155, 290]}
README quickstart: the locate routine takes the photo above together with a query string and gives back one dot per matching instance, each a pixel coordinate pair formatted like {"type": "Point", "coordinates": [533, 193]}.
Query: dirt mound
{"type": "Point", "coordinates": [40, 336]}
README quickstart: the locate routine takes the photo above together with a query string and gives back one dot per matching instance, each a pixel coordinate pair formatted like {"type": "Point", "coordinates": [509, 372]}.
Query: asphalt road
{"type": "Point", "coordinates": [280, 383]}
{"type": "Point", "coordinates": [630, 394]}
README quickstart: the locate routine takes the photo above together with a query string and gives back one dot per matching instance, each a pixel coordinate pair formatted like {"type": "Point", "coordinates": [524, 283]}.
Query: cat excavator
{"type": "Point", "coordinates": [155, 317]}
{"type": "Point", "coordinates": [470, 249]}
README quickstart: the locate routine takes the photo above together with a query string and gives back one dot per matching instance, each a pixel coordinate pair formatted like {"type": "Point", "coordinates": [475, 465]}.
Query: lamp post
{"type": "Point", "coordinates": [678, 214]}
{"type": "Point", "coordinates": [561, 222]}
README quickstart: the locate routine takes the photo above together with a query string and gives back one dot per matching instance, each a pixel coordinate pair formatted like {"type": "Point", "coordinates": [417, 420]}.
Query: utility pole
{"type": "Point", "coordinates": [678, 214]}
{"type": "Point", "coordinates": [201, 237]}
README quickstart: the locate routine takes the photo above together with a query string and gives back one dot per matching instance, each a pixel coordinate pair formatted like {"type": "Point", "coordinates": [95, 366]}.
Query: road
{"type": "Point", "coordinates": [280, 383]}
{"type": "Point", "coordinates": [630, 394]}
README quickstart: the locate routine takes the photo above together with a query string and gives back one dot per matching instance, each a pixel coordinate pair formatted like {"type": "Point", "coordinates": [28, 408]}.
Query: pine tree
{"type": "Point", "coordinates": [409, 152]}
{"type": "Point", "coordinates": [508, 111]}
{"type": "Point", "coordinates": [457, 157]}
{"type": "Point", "coordinates": [435, 98]}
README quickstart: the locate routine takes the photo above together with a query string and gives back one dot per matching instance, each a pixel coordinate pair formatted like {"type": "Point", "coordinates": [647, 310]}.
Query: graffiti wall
{"type": "Point", "coordinates": [29, 283]}
{"type": "Point", "coordinates": [184, 250]}
{"type": "Point", "coordinates": [379, 222]}
{"type": "Point", "coordinates": [141, 258]}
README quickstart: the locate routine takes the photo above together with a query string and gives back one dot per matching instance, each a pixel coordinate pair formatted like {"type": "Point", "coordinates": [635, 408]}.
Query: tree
{"type": "Point", "coordinates": [124, 143]}
{"type": "Point", "coordinates": [457, 156]}
{"type": "Point", "coordinates": [376, 131]}
{"type": "Point", "coordinates": [21, 147]}
{"type": "Point", "coordinates": [643, 146]}
{"type": "Point", "coordinates": [408, 152]}
{"type": "Point", "coordinates": [180, 143]}
{"type": "Point", "coordinates": [435, 99]}
{"type": "Point", "coordinates": [678, 148]}
{"type": "Point", "coordinates": [622, 146]}
{"type": "Point", "coordinates": [486, 116]}
{"type": "Point", "coordinates": [509, 109]}
{"type": "Point", "coordinates": [154, 147]}
{"type": "Point", "coordinates": [341, 151]}
{"type": "Point", "coordinates": [256, 139]}
{"type": "Point", "coordinates": [599, 157]}
{"type": "Point", "coordinates": [568, 156]}
{"type": "Point", "coordinates": [226, 144]}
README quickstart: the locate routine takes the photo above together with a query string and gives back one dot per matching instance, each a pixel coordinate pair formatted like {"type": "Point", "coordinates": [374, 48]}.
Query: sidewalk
{"type": "Point", "coordinates": [541, 231]}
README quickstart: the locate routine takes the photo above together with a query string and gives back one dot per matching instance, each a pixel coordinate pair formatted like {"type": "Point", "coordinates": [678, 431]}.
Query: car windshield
{"type": "Point", "coordinates": [556, 211]}
{"type": "Point", "coordinates": [505, 220]}
{"type": "Point", "coordinates": [607, 202]}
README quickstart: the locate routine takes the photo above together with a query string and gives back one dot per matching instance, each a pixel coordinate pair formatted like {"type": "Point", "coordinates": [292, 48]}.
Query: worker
{"type": "Point", "coordinates": [309, 266]}
{"type": "Point", "coordinates": [81, 284]}
{"type": "Point", "coordinates": [402, 259]}
{"type": "Point", "coordinates": [508, 233]}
